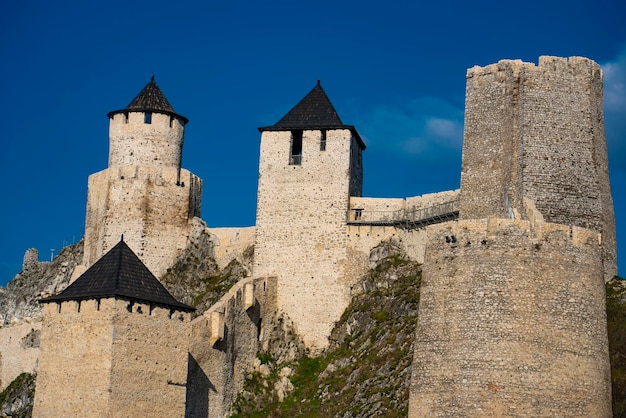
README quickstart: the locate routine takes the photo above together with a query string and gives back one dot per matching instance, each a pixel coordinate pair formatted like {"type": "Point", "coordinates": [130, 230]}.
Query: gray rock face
{"type": "Point", "coordinates": [17, 399]}
{"type": "Point", "coordinates": [19, 300]}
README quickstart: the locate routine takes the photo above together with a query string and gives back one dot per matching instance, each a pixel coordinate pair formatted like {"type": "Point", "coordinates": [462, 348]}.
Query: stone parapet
{"type": "Point", "coordinates": [224, 344]}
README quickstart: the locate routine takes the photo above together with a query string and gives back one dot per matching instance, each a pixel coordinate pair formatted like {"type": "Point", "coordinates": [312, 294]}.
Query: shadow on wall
{"type": "Point", "coordinates": [197, 402]}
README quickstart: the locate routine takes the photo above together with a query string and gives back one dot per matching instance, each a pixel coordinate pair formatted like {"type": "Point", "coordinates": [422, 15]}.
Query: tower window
{"type": "Point", "coordinates": [147, 117]}
{"type": "Point", "coordinates": [125, 117]}
{"type": "Point", "coordinates": [296, 148]}
{"type": "Point", "coordinates": [323, 140]}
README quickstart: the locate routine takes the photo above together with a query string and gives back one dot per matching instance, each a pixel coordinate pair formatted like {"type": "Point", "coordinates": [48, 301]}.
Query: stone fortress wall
{"type": "Point", "coordinates": [134, 142]}
{"type": "Point", "coordinates": [512, 317]}
{"type": "Point", "coordinates": [224, 344]}
{"type": "Point", "coordinates": [538, 132]}
{"type": "Point", "coordinates": [231, 243]}
{"type": "Point", "coordinates": [511, 322]}
{"type": "Point", "coordinates": [362, 237]}
{"type": "Point", "coordinates": [19, 350]}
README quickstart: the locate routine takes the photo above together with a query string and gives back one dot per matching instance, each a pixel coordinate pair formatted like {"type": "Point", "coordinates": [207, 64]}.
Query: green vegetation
{"type": "Point", "coordinates": [365, 370]}
{"type": "Point", "coordinates": [616, 327]}
{"type": "Point", "coordinates": [16, 400]}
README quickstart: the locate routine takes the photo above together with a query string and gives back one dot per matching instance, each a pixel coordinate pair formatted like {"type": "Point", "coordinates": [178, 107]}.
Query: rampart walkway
{"type": "Point", "coordinates": [407, 219]}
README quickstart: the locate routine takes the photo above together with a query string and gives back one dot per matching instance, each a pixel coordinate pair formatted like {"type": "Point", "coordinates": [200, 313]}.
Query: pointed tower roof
{"type": "Point", "coordinates": [119, 274]}
{"type": "Point", "coordinates": [150, 99]}
{"type": "Point", "coordinates": [314, 111]}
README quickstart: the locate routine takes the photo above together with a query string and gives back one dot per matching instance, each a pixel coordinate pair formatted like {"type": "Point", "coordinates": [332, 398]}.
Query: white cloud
{"type": "Point", "coordinates": [615, 84]}
{"type": "Point", "coordinates": [426, 127]}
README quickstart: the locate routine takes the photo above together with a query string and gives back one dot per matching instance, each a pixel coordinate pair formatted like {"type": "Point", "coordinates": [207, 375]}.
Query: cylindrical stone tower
{"type": "Point", "coordinates": [511, 323]}
{"type": "Point", "coordinates": [147, 132]}
{"type": "Point", "coordinates": [144, 194]}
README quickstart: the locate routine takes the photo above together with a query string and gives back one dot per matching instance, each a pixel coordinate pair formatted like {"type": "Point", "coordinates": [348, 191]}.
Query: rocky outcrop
{"type": "Point", "coordinates": [17, 399]}
{"type": "Point", "coordinates": [196, 279]}
{"type": "Point", "coordinates": [19, 300]}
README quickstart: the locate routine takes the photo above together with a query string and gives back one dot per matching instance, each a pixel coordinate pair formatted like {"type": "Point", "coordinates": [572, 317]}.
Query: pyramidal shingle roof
{"type": "Point", "coordinates": [150, 99]}
{"type": "Point", "coordinates": [314, 111]}
{"type": "Point", "coordinates": [119, 273]}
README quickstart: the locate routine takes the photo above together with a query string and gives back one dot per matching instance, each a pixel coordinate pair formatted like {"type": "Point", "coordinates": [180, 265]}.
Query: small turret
{"type": "Point", "coordinates": [147, 132]}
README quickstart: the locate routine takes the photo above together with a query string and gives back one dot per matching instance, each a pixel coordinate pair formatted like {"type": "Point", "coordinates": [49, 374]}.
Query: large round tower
{"type": "Point", "coordinates": [147, 132]}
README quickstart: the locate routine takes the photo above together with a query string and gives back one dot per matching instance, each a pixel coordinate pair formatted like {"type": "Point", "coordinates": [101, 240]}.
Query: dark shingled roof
{"type": "Point", "coordinates": [119, 273]}
{"type": "Point", "coordinates": [314, 111]}
{"type": "Point", "coordinates": [150, 99]}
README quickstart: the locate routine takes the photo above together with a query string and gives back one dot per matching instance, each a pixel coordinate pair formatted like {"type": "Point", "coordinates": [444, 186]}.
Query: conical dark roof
{"type": "Point", "coordinates": [119, 273]}
{"type": "Point", "coordinates": [150, 99]}
{"type": "Point", "coordinates": [314, 111]}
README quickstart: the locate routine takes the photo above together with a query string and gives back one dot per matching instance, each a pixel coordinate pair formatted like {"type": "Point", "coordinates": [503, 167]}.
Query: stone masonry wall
{"type": "Point", "coordinates": [75, 360]}
{"type": "Point", "coordinates": [362, 238]}
{"type": "Point", "coordinates": [511, 322]}
{"type": "Point", "coordinates": [149, 361]}
{"type": "Point", "coordinates": [538, 132]}
{"type": "Point", "coordinates": [230, 243]}
{"type": "Point", "coordinates": [99, 359]}
{"type": "Point", "coordinates": [301, 228]}
{"type": "Point", "coordinates": [133, 142]}
{"type": "Point", "coordinates": [151, 207]}
{"type": "Point", "coordinates": [224, 344]}
{"type": "Point", "coordinates": [19, 350]}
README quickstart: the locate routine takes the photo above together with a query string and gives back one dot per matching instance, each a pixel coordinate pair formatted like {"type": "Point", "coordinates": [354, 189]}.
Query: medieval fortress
{"type": "Point", "coordinates": [511, 318]}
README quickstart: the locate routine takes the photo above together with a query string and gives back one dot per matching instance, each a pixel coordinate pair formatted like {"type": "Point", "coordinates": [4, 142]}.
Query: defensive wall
{"type": "Point", "coordinates": [19, 350]}
{"type": "Point", "coordinates": [112, 358]}
{"type": "Point", "coordinates": [151, 206]}
{"type": "Point", "coordinates": [511, 322]}
{"type": "Point", "coordinates": [372, 220]}
{"type": "Point", "coordinates": [224, 344]}
{"type": "Point", "coordinates": [537, 131]}
{"type": "Point", "coordinates": [231, 243]}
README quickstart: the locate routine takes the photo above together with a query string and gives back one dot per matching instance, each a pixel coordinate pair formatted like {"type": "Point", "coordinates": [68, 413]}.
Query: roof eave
{"type": "Point", "coordinates": [56, 299]}
{"type": "Point", "coordinates": [145, 110]}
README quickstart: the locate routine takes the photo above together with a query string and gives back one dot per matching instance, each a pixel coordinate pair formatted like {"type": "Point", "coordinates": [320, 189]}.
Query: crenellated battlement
{"type": "Point", "coordinates": [547, 64]}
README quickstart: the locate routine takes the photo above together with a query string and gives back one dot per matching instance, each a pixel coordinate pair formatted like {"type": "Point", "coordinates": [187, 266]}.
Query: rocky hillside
{"type": "Point", "coordinates": [18, 300]}
{"type": "Point", "coordinates": [195, 278]}
{"type": "Point", "coordinates": [16, 400]}
{"type": "Point", "coordinates": [366, 370]}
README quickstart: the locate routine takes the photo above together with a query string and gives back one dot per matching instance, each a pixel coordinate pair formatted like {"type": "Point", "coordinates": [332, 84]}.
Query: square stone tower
{"type": "Point", "coordinates": [310, 165]}
{"type": "Point", "coordinates": [113, 343]}
{"type": "Point", "coordinates": [144, 194]}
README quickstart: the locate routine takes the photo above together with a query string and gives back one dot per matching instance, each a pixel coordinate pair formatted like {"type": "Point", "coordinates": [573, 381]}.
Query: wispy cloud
{"type": "Point", "coordinates": [615, 84]}
{"type": "Point", "coordinates": [615, 109]}
{"type": "Point", "coordinates": [425, 127]}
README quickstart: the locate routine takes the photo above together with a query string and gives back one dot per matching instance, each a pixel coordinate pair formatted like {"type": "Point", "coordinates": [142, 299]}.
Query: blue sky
{"type": "Point", "coordinates": [395, 70]}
